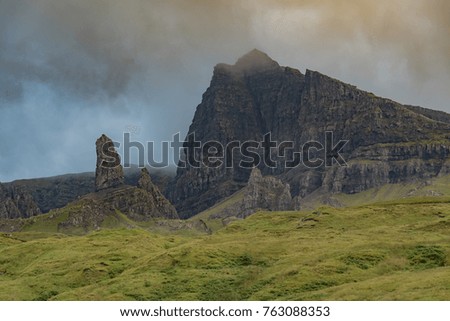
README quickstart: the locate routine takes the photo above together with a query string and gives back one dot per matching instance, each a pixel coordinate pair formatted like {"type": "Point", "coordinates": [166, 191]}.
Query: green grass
{"type": "Point", "coordinates": [385, 251]}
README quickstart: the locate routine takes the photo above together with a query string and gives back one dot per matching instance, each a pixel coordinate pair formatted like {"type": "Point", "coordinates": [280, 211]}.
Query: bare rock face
{"type": "Point", "coordinates": [261, 193]}
{"type": "Point", "coordinates": [7, 207]}
{"type": "Point", "coordinates": [108, 172]}
{"type": "Point", "coordinates": [136, 203]}
{"type": "Point", "coordinates": [145, 181]}
{"type": "Point", "coordinates": [268, 193]}
{"type": "Point", "coordinates": [16, 203]}
{"type": "Point", "coordinates": [162, 207]}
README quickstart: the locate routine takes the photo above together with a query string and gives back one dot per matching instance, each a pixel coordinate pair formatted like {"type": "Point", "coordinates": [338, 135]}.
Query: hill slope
{"type": "Point", "coordinates": [384, 251]}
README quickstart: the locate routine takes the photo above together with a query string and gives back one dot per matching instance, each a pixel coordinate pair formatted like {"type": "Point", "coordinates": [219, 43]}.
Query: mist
{"type": "Point", "coordinates": [70, 71]}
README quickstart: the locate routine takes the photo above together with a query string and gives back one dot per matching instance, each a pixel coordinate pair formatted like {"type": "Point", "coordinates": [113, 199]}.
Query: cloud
{"type": "Point", "coordinates": [72, 70]}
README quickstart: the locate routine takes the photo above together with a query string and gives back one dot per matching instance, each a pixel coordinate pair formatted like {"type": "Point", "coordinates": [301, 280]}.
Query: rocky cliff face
{"type": "Point", "coordinates": [136, 203]}
{"type": "Point", "coordinates": [91, 211]}
{"type": "Point", "coordinates": [387, 142]}
{"type": "Point", "coordinates": [161, 206]}
{"type": "Point", "coordinates": [16, 203]}
{"type": "Point", "coordinates": [261, 193]}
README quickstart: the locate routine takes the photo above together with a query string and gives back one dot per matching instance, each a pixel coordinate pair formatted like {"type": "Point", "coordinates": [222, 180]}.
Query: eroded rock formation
{"type": "Point", "coordinates": [109, 171]}
{"type": "Point", "coordinates": [261, 193]}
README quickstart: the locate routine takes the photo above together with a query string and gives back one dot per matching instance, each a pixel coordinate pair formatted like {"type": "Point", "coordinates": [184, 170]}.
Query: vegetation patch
{"type": "Point", "coordinates": [427, 257]}
{"type": "Point", "coordinates": [363, 260]}
{"type": "Point", "coordinates": [46, 295]}
{"type": "Point", "coordinates": [244, 260]}
{"type": "Point", "coordinates": [318, 285]}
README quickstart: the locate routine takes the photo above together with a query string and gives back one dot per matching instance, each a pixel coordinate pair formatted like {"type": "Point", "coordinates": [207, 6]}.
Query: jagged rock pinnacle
{"type": "Point", "coordinates": [145, 181]}
{"type": "Point", "coordinates": [109, 172]}
{"type": "Point", "coordinates": [255, 176]}
{"type": "Point", "coordinates": [160, 203]}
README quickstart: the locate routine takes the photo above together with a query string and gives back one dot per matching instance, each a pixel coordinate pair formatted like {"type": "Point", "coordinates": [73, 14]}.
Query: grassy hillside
{"type": "Point", "coordinates": [384, 251]}
{"type": "Point", "coordinates": [216, 223]}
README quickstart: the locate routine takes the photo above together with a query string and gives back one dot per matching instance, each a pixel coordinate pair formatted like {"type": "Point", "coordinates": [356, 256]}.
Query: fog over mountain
{"type": "Point", "coordinates": [70, 71]}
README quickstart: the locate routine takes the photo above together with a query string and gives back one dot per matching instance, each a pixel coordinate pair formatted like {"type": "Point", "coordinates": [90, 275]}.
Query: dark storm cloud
{"type": "Point", "coordinates": [97, 47]}
{"type": "Point", "coordinates": [60, 45]}
{"type": "Point", "coordinates": [70, 70]}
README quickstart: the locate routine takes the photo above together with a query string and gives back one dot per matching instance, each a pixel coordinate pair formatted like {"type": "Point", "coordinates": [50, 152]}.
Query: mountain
{"type": "Point", "coordinates": [383, 142]}
{"type": "Point", "coordinates": [387, 142]}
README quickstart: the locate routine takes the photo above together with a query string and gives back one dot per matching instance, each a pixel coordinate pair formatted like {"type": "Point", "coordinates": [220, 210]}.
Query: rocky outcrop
{"type": "Point", "coordinates": [145, 182]}
{"type": "Point", "coordinates": [162, 205]}
{"type": "Point", "coordinates": [109, 171]}
{"type": "Point", "coordinates": [267, 193]}
{"type": "Point", "coordinates": [107, 189]}
{"type": "Point", "coordinates": [261, 193]}
{"type": "Point", "coordinates": [83, 216]}
{"type": "Point", "coordinates": [387, 141]}
{"type": "Point", "coordinates": [159, 177]}
{"type": "Point", "coordinates": [139, 203]}
{"type": "Point", "coordinates": [7, 207]}
{"type": "Point", "coordinates": [136, 203]}
{"type": "Point", "coordinates": [16, 203]}
{"type": "Point", "coordinates": [107, 205]}
{"type": "Point", "coordinates": [58, 191]}
{"type": "Point", "coordinates": [111, 200]}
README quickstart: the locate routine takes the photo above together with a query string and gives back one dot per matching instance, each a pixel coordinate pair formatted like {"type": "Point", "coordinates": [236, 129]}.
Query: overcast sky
{"type": "Point", "coordinates": [72, 70]}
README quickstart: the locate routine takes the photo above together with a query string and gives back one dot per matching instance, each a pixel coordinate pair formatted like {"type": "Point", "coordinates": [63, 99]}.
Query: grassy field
{"type": "Point", "coordinates": [383, 251]}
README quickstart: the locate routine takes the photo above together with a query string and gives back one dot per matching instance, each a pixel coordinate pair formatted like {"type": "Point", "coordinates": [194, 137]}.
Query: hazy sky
{"type": "Point", "coordinates": [72, 70]}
